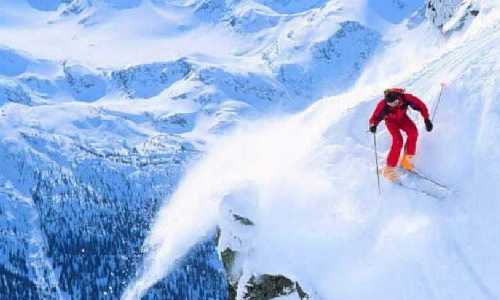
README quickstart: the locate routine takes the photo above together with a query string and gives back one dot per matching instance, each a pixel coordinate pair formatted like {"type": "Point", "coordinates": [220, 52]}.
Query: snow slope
{"type": "Point", "coordinates": [307, 185]}
{"type": "Point", "coordinates": [132, 130]}
{"type": "Point", "coordinates": [104, 104]}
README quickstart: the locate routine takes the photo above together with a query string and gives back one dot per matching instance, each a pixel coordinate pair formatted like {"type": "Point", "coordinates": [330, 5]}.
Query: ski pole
{"type": "Point", "coordinates": [376, 162]}
{"type": "Point", "coordinates": [443, 85]}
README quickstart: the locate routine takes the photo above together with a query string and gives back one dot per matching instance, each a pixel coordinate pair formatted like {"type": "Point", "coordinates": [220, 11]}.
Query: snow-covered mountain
{"type": "Point", "coordinates": [217, 149]}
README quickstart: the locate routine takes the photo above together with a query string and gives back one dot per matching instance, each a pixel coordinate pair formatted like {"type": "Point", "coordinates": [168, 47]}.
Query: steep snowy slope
{"type": "Point", "coordinates": [104, 103]}
{"type": "Point", "coordinates": [112, 109]}
{"type": "Point", "coordinates": [297, 196]}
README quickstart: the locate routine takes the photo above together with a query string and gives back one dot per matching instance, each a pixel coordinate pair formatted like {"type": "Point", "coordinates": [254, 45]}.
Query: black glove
{"type": "Point", "coordinates": [373, 128]}
{"type": "Point", "coordinates": [428, 125]}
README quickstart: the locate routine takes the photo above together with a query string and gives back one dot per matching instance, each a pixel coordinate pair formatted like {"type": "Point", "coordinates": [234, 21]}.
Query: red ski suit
{"type": "Point", "coordinates": [396, 120]}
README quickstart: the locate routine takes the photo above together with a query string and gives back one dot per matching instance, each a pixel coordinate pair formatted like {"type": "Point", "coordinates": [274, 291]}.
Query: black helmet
{"type": "Point", "coordinates": [392, 94]}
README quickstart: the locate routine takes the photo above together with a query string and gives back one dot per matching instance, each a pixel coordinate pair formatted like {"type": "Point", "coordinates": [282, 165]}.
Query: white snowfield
{"type": "Point", "coordinates": [308, 183]}
{"type": "Point", "coordinates": [279, 149]}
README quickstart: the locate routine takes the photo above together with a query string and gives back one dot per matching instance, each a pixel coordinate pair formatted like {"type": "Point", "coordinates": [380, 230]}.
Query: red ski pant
{"type": "Point", "coordinates": [395, 127]}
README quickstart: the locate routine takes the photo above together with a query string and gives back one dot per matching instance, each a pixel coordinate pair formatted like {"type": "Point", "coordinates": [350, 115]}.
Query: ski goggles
{"type": "Point", "coordinates": [394, 103]}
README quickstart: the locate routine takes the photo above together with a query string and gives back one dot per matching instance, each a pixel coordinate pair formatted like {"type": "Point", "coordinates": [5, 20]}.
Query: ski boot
{"type": "Point", "coordinates": [390, 173]}
{"type": "Point", "coordinates": [406, 163]}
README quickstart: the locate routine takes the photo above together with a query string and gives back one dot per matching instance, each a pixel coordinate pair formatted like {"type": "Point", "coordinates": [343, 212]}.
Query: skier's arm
{"type": "Point", "coordinates": [377, 114]}
{"type": "Point", "coordinates": [418, 105]}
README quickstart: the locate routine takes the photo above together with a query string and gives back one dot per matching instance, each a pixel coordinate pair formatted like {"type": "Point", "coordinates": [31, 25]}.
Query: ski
{"type": "Point", "coordinates": [415, 181]}
{"type": "Point", "coordinates": [424, 177]}
{"type": "Point", "coordinates": [423, 192]}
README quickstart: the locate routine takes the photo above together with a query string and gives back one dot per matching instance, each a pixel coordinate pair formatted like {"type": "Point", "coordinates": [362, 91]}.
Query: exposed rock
{"type": "Point", "coordinates": [451, 15]}
{"type": "Point", "coordinates": [265, 287]}
{"type": "Point", "coordinates": [211, 10]}
{"type": "Point", "coordinates": [41, 86]}
{"type": "Point", "coordinates": [262, 287]}
{"type": "Point", "coordinates": [11, 91]}
{"type": "Point", "coordinates": [228, 259]}
{"type": "Point", "coordinates": [83, 83]}
{"type": "Point", "coordinates": [253, 21]}
{"type": "Point", "coordinates": [335, 62]}
{"type": "Point", "coordinates": [235, 236]}
{"type": "Point", "coordinates": [149, 80]}
{"type": "Point", "coordinates": [76, 7]}
{"type": "Point", "coordinates": [257, 90]}
{"type": "Point", "coordinates": [243, 220]}
{"type": "Point", "coordinates": [176, 123]}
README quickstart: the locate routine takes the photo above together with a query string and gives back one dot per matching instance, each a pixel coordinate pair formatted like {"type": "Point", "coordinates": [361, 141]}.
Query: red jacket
{"type": "Point", "coordinates": [396, 114]}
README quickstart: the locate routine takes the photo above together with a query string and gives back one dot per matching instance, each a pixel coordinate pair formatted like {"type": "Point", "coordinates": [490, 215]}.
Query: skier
{"type": "Point", "coordinates": [393, 109]}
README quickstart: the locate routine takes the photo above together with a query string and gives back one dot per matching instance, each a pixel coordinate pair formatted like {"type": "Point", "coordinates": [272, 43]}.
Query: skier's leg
{"type": "Point", "coordinates": [397, 144]}
{"type": "Point", "coordinates": [390, 172]}
{"type": "Point", "coordinates": [411, 144]}
{"type": "Point", "coordinates": [411, 131]}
